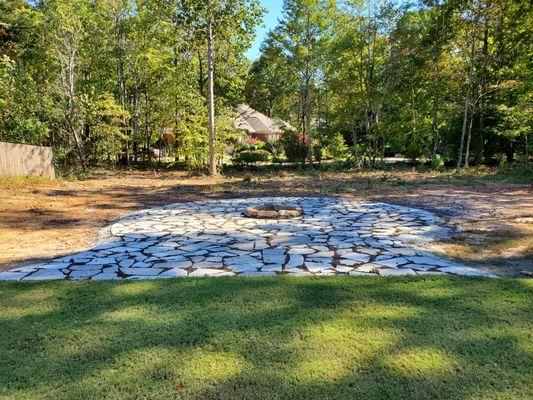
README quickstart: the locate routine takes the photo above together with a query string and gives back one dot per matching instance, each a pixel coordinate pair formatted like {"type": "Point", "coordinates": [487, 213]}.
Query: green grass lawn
{"type": "Point", "coordinates": [268, 338]}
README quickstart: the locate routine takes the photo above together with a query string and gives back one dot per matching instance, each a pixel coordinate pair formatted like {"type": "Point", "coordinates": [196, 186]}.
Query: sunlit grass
{"type": "Point", "coordinates": [280, 338]}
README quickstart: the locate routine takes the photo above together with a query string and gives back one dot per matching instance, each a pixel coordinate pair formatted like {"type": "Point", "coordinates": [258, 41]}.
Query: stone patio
{"type": "Point", "coordinates": [214, 238]}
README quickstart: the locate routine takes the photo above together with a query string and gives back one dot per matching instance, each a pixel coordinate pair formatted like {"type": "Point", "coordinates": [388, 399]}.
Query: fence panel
{"type": "Point", "coordinates": [25, 160]}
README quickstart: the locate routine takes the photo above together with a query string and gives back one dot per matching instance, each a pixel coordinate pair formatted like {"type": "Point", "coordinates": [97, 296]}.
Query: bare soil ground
{"type": "Point", "coordinates": [41, 219]}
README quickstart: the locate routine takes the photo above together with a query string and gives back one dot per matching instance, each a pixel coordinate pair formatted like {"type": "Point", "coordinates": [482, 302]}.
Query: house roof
{"type": "Point", "coordinates": [255, 122]}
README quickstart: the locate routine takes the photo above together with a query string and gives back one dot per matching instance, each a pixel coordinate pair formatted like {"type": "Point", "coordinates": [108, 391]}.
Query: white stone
{"type": "Point", "coordinates": [45, 274]}
{"type": "Point", "coordinates": [466, 271]}
{"type": "Point", "coordinates": [274, 256]}
{"type": "Point", "coordinates": [368, 268]}
{"type": "Point", "coordinates": [141, 271]}
{"type": "Point", "coordinates": [101, 261]}
{"type": "Point", "coordinates": [12, 276]}
{"type": "Point", "coordinates": [359, 273]}
{"type": "Point", "coordinates": [392, 262]}
{"type": "Point", "coordinates": [83, 274]}
{"type": "Point", "coordinates": [395, 272]}
{"type": "Point", "coordinates": [295, 260]}
{"type": "Point", "coordinates": [343, 269]}
{"type": "Point", "coordinates": [105, 276]}
{"type": "Point", "coordinates": [356, 257]}
{"type": "Point", "coordinates": [297, 272]}
{"type": "Point", "coordinates": [174, 273]}
{"type": "Point", "coordinates": [207, 272]}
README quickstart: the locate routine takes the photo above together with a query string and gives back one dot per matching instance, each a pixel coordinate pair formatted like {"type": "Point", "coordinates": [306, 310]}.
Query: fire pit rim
{"type": "Point", "coordinates": [273, 211]}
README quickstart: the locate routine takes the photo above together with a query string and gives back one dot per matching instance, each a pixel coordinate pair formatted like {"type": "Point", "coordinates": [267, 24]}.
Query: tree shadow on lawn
{"type": "Point", "coordinates": [267, 338]}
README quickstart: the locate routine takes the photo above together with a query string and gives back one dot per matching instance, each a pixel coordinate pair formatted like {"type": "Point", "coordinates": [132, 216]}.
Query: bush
{"type": "Point", "coordinates": [336, 147]}
{"type": "Point", "coordinates": [438, 162]}
{"type": "Point", "coordinates": [274, 147]}
{"type": "Point", "coordinates": [251, 156]}
{"type": "Point", "coordinates": [294, 146]}
{"type": "Point", "coordinates": [318, 152]}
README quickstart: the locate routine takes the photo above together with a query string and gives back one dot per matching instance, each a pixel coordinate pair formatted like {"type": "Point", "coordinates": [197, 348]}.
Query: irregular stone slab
{"type": "Point", "coordinates": [356, 257]}
{"type": "Point", "coordinates": [105, 277]}
{"type": "Point", "coordinates": [127, 263]}
{"type": "Point", "coordinates": [288, 241]}
{"type": "Point", "coordinates": [45, 274]}
{"type": "Point", "coordinates": [208, 272]}
{"type": "Point", "coordinates": [395, 272]}
{"type": "Point", "coordinates": [83, 274]}
{"type": "Point", "coordinates": [432, 261]}
{"type": "Point", "coordinates": [466, 271]}
{"type": "Point", "coordinates": [101, 261]}
{"type": "Point", "coordinates": [430, 273]}
{"type": "Point", "coordinates": [359, 273]}
{"type": "Point", "coordinates": [12, 276]}
{"type": "Point", "coordinates": [343, 269]}
{"type": "Point", "coordinates": [174, 273]}
{"type": "Point", "coordinates": [368, 268]}
{"type": "Point", "coordinates": [54, 266]}
{"type": "Point", "coordinates": [257, 274]}
{"type": "Point", "coordinates": [141, 271]}
{"type": "Point", "coordinates": [301, 250]}
{"type": "Point", "coordinates": [295, 260]}
{"type": "Point", "coordinates": [297, 272]}
{"type": "Point", "coordinates": [173, 264]}
{"type": "Point", "coordinates": [420, 267]}
{"type": "Point", "coordinates": [274, 256]}
{"type": "Point", "coordinates": [392, 262]}
{"type": "Point", "coordinates": [317, 267]}
{"type": "Point", "coordinates": [271, 268]}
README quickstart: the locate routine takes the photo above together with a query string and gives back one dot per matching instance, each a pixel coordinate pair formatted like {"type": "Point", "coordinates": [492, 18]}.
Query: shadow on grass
{"type": "Point", "coordinates": [238, 338]}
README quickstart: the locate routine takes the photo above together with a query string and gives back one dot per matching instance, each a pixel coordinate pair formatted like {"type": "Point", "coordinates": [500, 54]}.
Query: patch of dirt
{"type": "Point", "coordinates": [41, 219]}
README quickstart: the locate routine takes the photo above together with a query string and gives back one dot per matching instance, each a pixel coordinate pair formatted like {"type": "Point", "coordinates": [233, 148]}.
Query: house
{"type": "Point", "coordinates": [258, 126]}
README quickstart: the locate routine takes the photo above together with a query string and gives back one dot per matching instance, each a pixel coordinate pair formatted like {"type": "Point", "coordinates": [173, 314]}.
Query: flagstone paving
{"type": "Point", "coordinates": [214, 238]}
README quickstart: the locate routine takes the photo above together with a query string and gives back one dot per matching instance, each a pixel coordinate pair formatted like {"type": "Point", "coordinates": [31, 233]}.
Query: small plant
{"type": "Point", "coordinates": [294, 146]}
{"type": "Point", "coordinates": [251, 157]}
{"type": "Point", "coordinates": [438, 162]}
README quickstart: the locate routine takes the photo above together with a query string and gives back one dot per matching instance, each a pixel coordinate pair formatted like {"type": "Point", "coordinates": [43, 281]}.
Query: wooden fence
{"type": "Point", "coordinates": [25, 160]}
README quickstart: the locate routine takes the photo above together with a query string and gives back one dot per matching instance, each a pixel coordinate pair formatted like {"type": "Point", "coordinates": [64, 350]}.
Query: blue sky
{"type": "Point", "coordinates": [270, 20]}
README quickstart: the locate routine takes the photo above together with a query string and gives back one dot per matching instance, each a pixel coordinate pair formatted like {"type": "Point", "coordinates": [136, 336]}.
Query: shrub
{"type": "Point", "coordinates": [336, 147]}
{"type": "Point", "coordinates": [438, 162]}
{"type": "Point", "coordinates": [294, 146]}
{"type": "Point", "coordinates": [251, 156]}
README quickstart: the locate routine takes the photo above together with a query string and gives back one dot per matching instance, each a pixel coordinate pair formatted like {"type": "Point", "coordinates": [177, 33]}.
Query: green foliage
{"type": "Point", "coordinates": [437, 162]}
{"type": "Point", "coordinates": [396, 76]}
{"type": "Point", "coordinates": [336, 147]}
{"type": "Point", "coordinates": [107, 121]}
{"type": "Point", "coordinates": [251, 157]}
{"type": "Point", "coordinates": [384, 75]}
{"type": "Point", "coordinates": [294, 146]}
{"type": "Point", "coordinates": [71, 70]}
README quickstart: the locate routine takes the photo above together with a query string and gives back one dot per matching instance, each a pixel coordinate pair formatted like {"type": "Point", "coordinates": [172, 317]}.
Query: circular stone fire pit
{"type": "Point", "coordinates": [273, 211]}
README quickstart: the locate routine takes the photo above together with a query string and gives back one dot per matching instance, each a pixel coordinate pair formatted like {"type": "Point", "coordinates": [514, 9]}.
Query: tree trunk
{"type": "Point", "coordinates": [308, 134]}
{"type": "Point", "coordinates": [468, 138]}
{"type": "Point", "coordinates": [483, 83]}
{"type": "Point", "coordinates": [121, 74]}
{"type": "Point", "coordinates": [211, 98]}
{"type": "Point", "coordinates": [436, 97]}
{"type": "Point", "coordinates": [71, 115]}
{"type": "Point", "coordinates": [467, 97]}
{"type": "Point", "coordinates": [135, 124]}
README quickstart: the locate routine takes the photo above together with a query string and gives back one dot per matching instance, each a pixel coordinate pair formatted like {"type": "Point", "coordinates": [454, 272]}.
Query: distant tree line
{"type": "Point", "coordinates": [100, 80]}
{"type": "Point", "coordinates": [450, 81]}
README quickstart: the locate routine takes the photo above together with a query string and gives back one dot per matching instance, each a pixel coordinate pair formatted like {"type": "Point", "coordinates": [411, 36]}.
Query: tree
{"type": "Point", "coordinates": [302, 36]}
